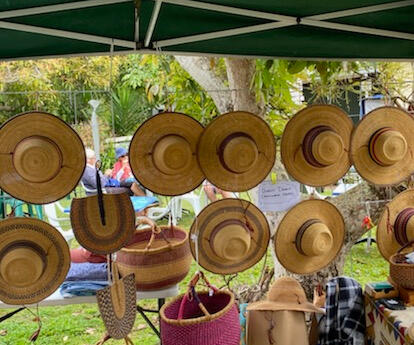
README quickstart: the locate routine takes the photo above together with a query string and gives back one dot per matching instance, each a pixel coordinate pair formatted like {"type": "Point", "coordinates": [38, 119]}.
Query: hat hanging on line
{"type": "Point", "coordinates": [162, 154]}
{"type": "Point", "coordinates": [309, 236]}
{"type": "Point", "coordinates": [236, 151]}
{"type": "Point", "coordinates": [92, 233]}
{"type": "Point", "coordinates": [315, 145]}
{"type": "Point", "coordinates": [42, 158]}
{"type": "Point", "coordinates": [117, 305]}
{"type": "Point", "coordinates": [381, 146]}
{"type": "Point", "coordinates": [396, 224]}
{"type": "Point", "coordinates": [34, 260]}
{"type": "Point", "coordinates": [231, 235]}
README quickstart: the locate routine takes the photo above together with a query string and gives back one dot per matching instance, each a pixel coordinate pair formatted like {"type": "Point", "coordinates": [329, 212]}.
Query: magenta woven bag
{"type": "Point", "coordinates": [200, 319]}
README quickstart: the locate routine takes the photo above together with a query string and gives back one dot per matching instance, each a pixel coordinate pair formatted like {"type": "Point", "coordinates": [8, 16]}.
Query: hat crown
{"type": "Point", "coordinates": [238, 152]}
{"type": "Point", "coordinates": [327, 147]}
{"type": "Point", "coordinates": [37, 159]}
{"type": "Point", "coordinates": [172, 154]}
{"type": "Point", "coordinates": [287, 290]}
{"type": "Point", "coordinates": [388, 146]}
{"type": "Point", "coordinates": [404, 226]}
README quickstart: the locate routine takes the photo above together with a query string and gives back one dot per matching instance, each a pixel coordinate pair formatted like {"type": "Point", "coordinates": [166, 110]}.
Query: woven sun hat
{"type": "Point", "coordinates": [117, 305]}
{"type": "Point", "coordinates": [34, 260]}
{"type": "Point", "coordinates": [286, 293]}
{"type": "Point", "coordinates": [229, 236]}
{"type": "Point", "coordinates": [42, 158]}
{"type": "Point", "coordinates": [395, 227]}
{"type": "Point", "coordinates": [381, 146]}
{"type": "Point", "coordinates": [309, 236]}
{"type": "Point", "coordinates": [162, 154]}
{"type": "Point", "coordinates": [89, 230]}
{"type": "Point", "coordinates": [236, 151]}
{"type": "Point", "coordinates": [315, 145]}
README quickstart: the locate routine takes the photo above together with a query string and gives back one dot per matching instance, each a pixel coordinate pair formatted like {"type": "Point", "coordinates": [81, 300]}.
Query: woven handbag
{"type": "Point", "coordinates": [206, 318]}
{"type": "Point", "coordinates": [159, 258]}
{"type": "Point", "coordinates": [400, 272]}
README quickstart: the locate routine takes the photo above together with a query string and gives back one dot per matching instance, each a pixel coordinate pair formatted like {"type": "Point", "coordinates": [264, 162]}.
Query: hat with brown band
{"type": "Point", "coordinates": [236, 151]}
{"type": "Point", "coordinates": [42, 158]}
{"type": "Point", "coordinates": [34, 260]}
{"type": "Point", "coordinates": [396, 224]}
{"type": "Point", "coordinates": [315, 145]}
{"type": "Point", "coordinates": [381, 146]}
{"type": "Point", "coordinates": [108, 236]}
{"type": "Point", "coordinates": [229, 236]}
{"type": "Point", "coordinates": [162, 154]}
{"type": "Point", "coordinates": [309, 236]}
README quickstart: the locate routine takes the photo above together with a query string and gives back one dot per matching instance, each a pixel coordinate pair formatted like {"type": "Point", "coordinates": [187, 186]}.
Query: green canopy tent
{"type": "Point", "coordinates": [321, 29]}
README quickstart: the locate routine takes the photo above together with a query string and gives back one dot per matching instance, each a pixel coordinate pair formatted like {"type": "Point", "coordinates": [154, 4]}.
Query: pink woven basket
{"type": "Point", "coordinates": [201, 319]}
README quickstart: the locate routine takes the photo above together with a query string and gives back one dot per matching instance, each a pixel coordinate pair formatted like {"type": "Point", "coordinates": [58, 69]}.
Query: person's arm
{"type": "Point", "coordinates": [145, 220]}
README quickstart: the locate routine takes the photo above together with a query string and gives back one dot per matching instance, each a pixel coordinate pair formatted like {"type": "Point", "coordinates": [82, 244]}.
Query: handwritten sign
{"type": "Point", "coordinates": [278, 197]}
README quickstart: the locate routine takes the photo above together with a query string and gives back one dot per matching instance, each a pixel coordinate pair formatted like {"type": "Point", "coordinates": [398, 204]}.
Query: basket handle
{"type": "Point", "coordinates": [157, 230]}
{"type": "Point", "coordinates": [405, 246]}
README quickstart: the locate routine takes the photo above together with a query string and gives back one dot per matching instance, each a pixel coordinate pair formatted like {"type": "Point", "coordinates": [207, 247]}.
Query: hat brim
{"type": "Point", "coordinates": [386, 241]}
{"type": "Point", "coordinates": [277, 306]}
{"type": "Point", "coordinates": [119, 222]}
{"type": "Point", "coordinates": [216, 213]}
{"type": "Point", "coordinates": [26, 125]}
{"type": "Point", "coordinates": [359, 152]}
{"type": "Point", "coordinates": [57, 261]}
{"type": "Point", "coordinates": [142, 146]}
{"type": "Point", "coordinates": [285, 238]}
{"type": "Point", "coordinates": [217, 131]}
{"type": "Point", "coordinates": [294, 134]}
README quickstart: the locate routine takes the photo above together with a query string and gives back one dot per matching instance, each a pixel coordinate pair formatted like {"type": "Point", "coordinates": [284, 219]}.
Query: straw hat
{"type": "Point", "coordinates": [162, 154]}
{"type": "Point", "coordinates": [315, 145]}
{"type": "Point", "coordinates": [88, 228]}
{"type": "Point", "coordinates": [34, 260]}
{"type": "Point", "coordinates": [42, 159]}
{"type": "Point", "coordinates": [236, 151]}
{"type": "Point", "coordinates": [396, 224]}
{"type": "Point", "coordinates": [231, 235]}
{"type": "Point", "coordinates": [381, 146]}
{"type": "Point", "coordinates": [309, 236]}
{"type": "Point", "coordinates": [286, 293]}
{"type": "Point", "coordinates": [117, 305]}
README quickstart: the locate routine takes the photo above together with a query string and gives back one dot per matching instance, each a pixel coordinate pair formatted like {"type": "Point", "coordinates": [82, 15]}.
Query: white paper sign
{"type": "Point", "coordinates": [278, 197]}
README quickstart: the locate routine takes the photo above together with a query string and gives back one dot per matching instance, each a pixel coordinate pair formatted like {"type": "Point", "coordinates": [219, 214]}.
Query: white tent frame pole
{"type": "Point", "coordinates": [67, 34]}
{"type": "Point", "coordinates": [153, 21]}
{"type": "Point", "coordinates": [57, 8]}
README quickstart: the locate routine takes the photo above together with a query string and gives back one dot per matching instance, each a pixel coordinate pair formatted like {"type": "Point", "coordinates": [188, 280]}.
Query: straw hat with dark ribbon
{"type": "Point", "coordinates": [286, 293]}
{"type": "Point", "coordinates": [42, 159]}
{"type": "Point", "coordinates": [381, 146]}
{"type": "Point", "coordinates": [117, 305]}
{"type": "Point", "coordinates": [34, 260]}
{"type": "Point", "coordinates": [229, 236]}
{"type": "Point", "coordinates": [315, 145]}
{"type": "Point", "coordinates": [309, 236]}
{"type": "Point", "coordinates": [236, 151]}
{"type": "Point", "coordinates": [162, 154]}
{"type": "Point", "coordinates": [396, 225]}
{"type": "Point", "coordinates": [103, 223]}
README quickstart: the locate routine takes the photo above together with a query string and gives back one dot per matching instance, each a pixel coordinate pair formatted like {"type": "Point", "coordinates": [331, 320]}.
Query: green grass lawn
{"type": "Point", "coordinates": [82, 325]}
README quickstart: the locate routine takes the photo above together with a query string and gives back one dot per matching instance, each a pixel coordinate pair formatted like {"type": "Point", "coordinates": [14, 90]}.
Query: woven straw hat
{"type": "Point", "coordinates": [309, 236]}
{"type": "Point", "coordinates": [315, 145]}
{"type": "Point", "coordinates": [236, 151]}
{"type": "Point", "coordinates": [396, 224]}
{"type": "Point", "coordinates": [162, 154]}
{"type": "Point", "coordinates": [117, 305]}
{"type": "Point", "coordinates": [42, 159]}
{"type": "Point", "coordinates": [286, 293]}
{"type": "Point", "coordinates": [34, 260]}
{"type": "Point", "coordinates": [88, 228]}
{"type": "Point", "coordinates": [232, 235]}
{"type": "Point", "coordinates": [381, 146]}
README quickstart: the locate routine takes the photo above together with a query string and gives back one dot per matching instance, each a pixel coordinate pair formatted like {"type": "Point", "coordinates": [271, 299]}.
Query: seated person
{"type": "Point", "coordinates": [122, 172]}
{"type": "Point", "coordinates": [212, 190]}
{"type": "Point", "coordinates": [89, 176]}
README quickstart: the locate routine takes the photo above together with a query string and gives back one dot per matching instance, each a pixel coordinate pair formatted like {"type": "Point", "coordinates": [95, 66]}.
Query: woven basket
{"type": "Point", "coordinates": [159, 258]}
{"type": "Point", "coordinates": [201, 319]}
{"type": "Point", "coordinates": [402, 273]}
